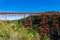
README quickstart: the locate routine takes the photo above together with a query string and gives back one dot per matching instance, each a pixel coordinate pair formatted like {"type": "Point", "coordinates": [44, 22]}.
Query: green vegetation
{"type": "Point", "coordinates": [16, 31]}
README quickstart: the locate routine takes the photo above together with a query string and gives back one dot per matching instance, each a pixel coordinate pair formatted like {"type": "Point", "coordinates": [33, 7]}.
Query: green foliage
{"type": "Point", "coordinates": [46, 37]}
{"type": "Point", "coordinates": [8, 33]}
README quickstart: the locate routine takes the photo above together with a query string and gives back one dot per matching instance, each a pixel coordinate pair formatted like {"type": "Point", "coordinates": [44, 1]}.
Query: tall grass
{"type": "Point", "coordinates": [7, 32]}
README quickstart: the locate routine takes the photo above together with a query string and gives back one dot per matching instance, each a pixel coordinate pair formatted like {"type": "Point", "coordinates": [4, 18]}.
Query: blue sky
{"type": "Point", "coordinates": [12, 16]}
{"type": "Point", "coordinates": [29, 5]}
